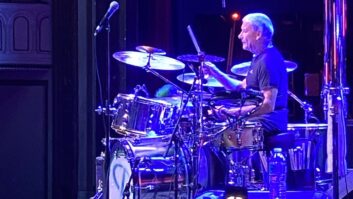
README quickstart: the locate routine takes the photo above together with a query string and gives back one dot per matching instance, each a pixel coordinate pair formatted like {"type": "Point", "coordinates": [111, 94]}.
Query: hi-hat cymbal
{"type": "Point", "coordinates": [208, 81]}
{"type": "Point", "coordinates": [140, 59]}
{"type": "Point", "coordinates": [196, 58]}
{"type": "Point", "coordinates": [150, 50]}
{"type": "Point", "coordinates": [243, 68]}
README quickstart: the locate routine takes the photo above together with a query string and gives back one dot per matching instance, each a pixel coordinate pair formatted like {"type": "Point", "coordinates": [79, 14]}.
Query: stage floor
{"type": "Point", "coordinates": [213, 194]}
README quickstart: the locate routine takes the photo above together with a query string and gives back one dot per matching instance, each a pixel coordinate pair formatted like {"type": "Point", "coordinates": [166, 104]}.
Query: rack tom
{"type": "Point", "coordinates": [139, 116]}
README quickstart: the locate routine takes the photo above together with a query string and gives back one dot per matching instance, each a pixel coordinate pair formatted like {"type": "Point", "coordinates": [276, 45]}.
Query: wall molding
{"type": "Point", "coordinates": [25, 34]}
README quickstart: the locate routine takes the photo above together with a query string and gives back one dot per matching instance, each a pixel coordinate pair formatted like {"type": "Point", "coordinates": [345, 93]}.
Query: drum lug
{"type": "Point", "coordinates": [238, 137]}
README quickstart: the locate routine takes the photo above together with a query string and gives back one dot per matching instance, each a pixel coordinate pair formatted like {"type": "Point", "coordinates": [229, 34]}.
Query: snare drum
{"type": "Point", "coordinates": [246, 136]}
{"type": "Point", "coordinates": [152, 175]}
{"type": "Point", "coordinates": [139, 116]}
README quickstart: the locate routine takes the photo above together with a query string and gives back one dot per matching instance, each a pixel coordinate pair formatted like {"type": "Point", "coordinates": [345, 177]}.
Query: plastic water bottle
{"type": "Point", "coordinates": [277, 174]}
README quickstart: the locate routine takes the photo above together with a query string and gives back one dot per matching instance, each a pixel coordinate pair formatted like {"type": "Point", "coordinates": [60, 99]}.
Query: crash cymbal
{"type": "Point", "coordinates": [196, 58]}
{"type": "Point", "coordinates": [208, 81]}
{"type": "Point", "coordinates": [243, 68]}
{"type": "Point", "coordinates": [140, 59]}
{"type": "Point", "coordinates": [150, 50]}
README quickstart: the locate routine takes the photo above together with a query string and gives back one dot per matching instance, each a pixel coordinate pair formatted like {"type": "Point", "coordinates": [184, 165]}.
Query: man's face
{"type": "Point", "coordinates": [248, 36]}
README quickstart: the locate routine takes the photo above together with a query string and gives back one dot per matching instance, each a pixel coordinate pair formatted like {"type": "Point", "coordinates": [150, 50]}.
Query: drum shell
{"type": "Point", "coordinates": [246, 136]}
{"type": "Point", "coordinates": [139, 116]}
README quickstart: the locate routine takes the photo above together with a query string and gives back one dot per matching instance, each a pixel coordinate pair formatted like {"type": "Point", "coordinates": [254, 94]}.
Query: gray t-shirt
{"type": "Point", "coordinates": [267, 70]}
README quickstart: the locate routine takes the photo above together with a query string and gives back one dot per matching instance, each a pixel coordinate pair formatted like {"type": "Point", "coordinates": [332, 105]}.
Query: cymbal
{"type": "Point", "coordinates": [189, 79]}
{"type": "Point", "coordinates": [140, 59]}
{"type": "Point", "coordinates": [150, 50]}
{"type": "Point", "coordinates": [243, 68]}
{"type": "Point", "coordinates": [196, 58]}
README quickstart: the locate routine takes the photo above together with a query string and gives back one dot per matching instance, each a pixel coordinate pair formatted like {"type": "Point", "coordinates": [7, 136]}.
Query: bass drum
{"type": "Point", "coordinates": [138, 167]}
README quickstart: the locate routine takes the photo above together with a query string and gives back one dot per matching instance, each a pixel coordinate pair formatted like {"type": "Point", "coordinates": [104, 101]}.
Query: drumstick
{"type": "Point", "coordinates": [303, 156]}
{"type": "Point", "coordinates": [308, 155]}
{"type": "Point", "coordinates": [290, 152]}
{"type": "Point", "coordinates": [193, 38]}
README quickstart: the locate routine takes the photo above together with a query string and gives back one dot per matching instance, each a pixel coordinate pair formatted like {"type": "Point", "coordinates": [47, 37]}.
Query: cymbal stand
{"type": "Point", "coordinates": [178, 142]}
{"type": "Point", "coordinates": [174, 138]}
{"type": "Point", "coordinates": [199, 127]}
{"type": "Point", "coordinates": [308, 108]}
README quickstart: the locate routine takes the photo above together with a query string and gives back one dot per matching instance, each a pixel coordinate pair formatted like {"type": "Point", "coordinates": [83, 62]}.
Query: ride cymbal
{"type": "Point", "coordinates": [141, 59]}
{"type": "Point", "coordinates": [243, 68]}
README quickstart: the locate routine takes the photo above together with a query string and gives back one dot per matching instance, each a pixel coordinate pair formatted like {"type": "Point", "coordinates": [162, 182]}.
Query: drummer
{"type": "Point", "coordinates": [267, 74]}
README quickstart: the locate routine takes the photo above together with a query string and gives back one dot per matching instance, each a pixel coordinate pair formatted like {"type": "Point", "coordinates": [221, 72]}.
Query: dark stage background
{"type": "Point", "coordinates": [50, 133]}
{"type": "Point", "coordinates": [298, 34]}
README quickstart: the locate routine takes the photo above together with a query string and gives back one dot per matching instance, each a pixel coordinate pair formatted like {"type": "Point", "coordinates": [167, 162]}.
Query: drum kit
{"type": "Point", "coordinates": [174, 146]}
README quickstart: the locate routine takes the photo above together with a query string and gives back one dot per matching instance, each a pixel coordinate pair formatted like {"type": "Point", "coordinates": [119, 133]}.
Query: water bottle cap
{"type": "Point", "coordinates": [277, 150]}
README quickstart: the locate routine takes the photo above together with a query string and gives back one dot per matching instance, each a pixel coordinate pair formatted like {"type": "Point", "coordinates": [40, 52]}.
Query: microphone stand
{"type": "Point", "coordinates": [107, 104]}
{"type": "Point", "coordinates": [107, 111]}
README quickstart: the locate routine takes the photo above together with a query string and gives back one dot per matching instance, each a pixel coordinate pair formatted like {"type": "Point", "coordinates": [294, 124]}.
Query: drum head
{"type": "Point", "coordinates": [120, 173]}
{"type": "Point", "coordinates": [153, 174]}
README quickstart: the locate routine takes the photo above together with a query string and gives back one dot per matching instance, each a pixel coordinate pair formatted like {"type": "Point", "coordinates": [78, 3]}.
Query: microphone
{"type": "Point", "coordinates": [113, 7]}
